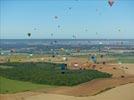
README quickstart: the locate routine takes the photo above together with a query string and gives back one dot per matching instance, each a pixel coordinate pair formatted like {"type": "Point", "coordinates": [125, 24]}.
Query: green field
{"type": "Point", "coordinates": [13, 86]}
{"type": "Point", "coordinates": [124, 58]}
{"type": "Point", "coordinates": [48, 73]}
{"type": "Point", "coordinates": [115, 57]}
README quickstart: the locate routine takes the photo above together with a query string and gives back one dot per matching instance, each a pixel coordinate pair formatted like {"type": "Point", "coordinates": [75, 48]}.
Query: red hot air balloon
{"type": "Point", "coordinates": [111, 2]}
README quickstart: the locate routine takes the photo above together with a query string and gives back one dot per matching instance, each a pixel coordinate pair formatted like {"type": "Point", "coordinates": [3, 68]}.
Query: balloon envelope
{"type": "Point", "coordinates": [111, 2]}
{"type": "Point", "coordinates": [56, 17]}
{"type": "Point", "coordinates": [2, 53]}
{"type": "Point", "coordinates": [70, 8]}
{"type": "Point", "coordinates": [93, 58]}
{"type": "Point", "coordinates": [51, 34]}
{"type": "Point", "coordinates": [29, 34]}
{"type": "Point", "coordinates": [30, 55]}
{"type": "Point", "coordinates": [64, 59]}
{"type": "Point", "coordinates": [12, 50]}
{"type": "Point", "coordinates": [58, 26]}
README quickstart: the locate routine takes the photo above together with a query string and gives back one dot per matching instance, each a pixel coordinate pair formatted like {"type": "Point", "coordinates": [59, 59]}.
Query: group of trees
{"type": "Point", "coordinates": [48, 73]}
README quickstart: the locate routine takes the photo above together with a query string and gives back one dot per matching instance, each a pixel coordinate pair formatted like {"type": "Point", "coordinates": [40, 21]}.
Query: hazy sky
{"type": "Point", "coordinates": [84, 18]}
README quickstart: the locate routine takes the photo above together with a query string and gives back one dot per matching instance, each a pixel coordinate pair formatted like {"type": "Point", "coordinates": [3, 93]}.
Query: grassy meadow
{"type": "Point", "coordinates": [13, 86]}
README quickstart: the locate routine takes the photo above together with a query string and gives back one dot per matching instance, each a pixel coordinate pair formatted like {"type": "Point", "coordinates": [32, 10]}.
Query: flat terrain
{"type": "Point", "coordinates": [13, 86]}
{"type": "Point", "coordinates": [49, 73]}
{"type": "Point", "coordinates": [99, 85]}
{"type": "Point", "coordinates": [92, 88]}
{"type": "Point", "coordinates": [119, 87]}
{"type": "Point", "coordinates": [128, 68]}
{"type": "Point", "coordinates": [124, 92]}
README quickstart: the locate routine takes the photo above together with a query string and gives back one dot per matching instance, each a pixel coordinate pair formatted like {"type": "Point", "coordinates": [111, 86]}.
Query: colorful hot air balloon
{"type": "Point", "coordinates": [111, 2]}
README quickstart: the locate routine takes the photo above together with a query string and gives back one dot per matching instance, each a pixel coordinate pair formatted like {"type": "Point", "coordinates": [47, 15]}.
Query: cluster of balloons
{"type": "Point", "coordinates": [110, 2]}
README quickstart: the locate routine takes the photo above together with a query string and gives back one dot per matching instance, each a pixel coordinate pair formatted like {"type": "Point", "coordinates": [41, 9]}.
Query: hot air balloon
{"type": "Point", "coordinates": [62, 49]}
{"type": "Point", "coordinates": [53, 55]}
{"type": "Point", "coordinates": [119, 62]}
{"type": "Point", "coordinates": [56, 17]}
{"type": "Point", "coordinates": [93, 58]}
{"type": "Point", "coordinates": [78, 50]}
{"type": "Point", "coordinates": [111, 2]}
{"type": "Point", "coordinates": [31, 55]}
{"type": "Point", "coordinates": [55, 41]}
{"type": "Point", "coordinates": [2, 53]}
{"type": "Point", "coordinates": [86, 30]}
{"type": "Point", "coordinates": [29, 34]}
{"type": "Point", "coordinates": [122, 43]}
{"type": "Point", "coordinates": [58, 26]}
{"type": "Point", "coordinates": [100, 43]}
{"type": "Point", "coordinates": [64, 59]}
{"type": "Point", "coordinates": [101, 56]}
{"type": "Point", "coordinates": [119, 30]}
{"type": "Point", "coordinates": [35, 29]}
{"type": "Point", "coordinates": [74, 36]}
{"type": "Point", "coordinates": [70, 8]}
{"type": "Point", "coordinates": [96, 10]}
{"type": "Point", "coordinates": [63, 68]}
{"type": "Point", "coordinates": [12, 50]}
{"type": "Point", "coordinates": [52, 34]}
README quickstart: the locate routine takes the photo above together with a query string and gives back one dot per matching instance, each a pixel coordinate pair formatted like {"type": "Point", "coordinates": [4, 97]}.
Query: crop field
{"type": "Point", "coordinates": [123, 58]}
{"type": "Point", "coordinates": [48, 73]}
{"type": "Point", "coordinates": [13, 86]}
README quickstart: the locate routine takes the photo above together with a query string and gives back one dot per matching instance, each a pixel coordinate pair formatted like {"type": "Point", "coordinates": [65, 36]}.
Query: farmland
{"type": "Point", "coordinates": [48, 73]}
{"type": "Point", "coordinates": [13, 86]}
